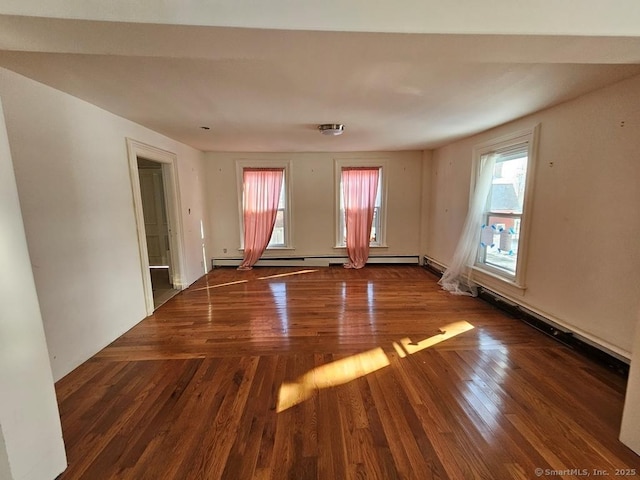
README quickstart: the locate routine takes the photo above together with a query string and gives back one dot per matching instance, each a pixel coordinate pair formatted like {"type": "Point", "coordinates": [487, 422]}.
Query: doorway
{"type": "Point", "coordinates": [156, 199]}
{"type": "Point", "coordinates": [156, 224]}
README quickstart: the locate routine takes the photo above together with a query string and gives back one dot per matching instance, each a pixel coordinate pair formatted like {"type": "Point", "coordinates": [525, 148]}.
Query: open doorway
{"type": "Point", "coordinates": [156, 224]}
{"type": "Point", "coordinates": [156, 199]}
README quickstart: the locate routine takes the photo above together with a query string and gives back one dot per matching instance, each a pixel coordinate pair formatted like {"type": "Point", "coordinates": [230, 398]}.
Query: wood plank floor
{"type": "Point", "coordinates": [285, 373]}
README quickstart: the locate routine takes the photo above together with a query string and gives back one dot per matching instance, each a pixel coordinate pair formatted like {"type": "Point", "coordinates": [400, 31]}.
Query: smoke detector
{"type": "Point", "coordinates": [331, 128]}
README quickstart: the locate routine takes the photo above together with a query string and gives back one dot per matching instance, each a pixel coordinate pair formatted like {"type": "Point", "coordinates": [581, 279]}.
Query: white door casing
{"type": "Point", "coordinates": [168, 160]}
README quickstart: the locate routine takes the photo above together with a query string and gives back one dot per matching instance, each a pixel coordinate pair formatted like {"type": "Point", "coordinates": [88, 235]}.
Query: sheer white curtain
{"type": "Point", "coordinates": [457, 278]}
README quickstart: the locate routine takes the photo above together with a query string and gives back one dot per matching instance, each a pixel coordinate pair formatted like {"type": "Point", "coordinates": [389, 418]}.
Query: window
{"type": "Point", "coordinates": [377, 237]}
{"type": "Point", "coordinates": [503, 214]}
{"type": "Point", "coordinates": [281, 235]}
{"type": "Point", "coordinates": [503, 236]}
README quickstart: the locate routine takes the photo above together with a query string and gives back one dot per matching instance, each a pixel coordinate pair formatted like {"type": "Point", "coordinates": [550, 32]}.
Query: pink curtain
{"type": "Point", "coordinates": [359, 190]}
{"type": "Point", "coordinates": [260, 202]}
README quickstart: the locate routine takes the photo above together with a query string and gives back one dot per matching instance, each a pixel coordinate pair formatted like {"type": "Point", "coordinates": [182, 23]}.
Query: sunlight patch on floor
{"type": "Point", "coordinates": [355, 366]}
{"type": "Point", "coordinates": [407, 347]}
{"type": "Point", "coordinates": [219, 285]}
{"type": "Point", "coordinates": [299, 272]}
{"type": "Point", "coordinates": [331, 375]}
{"type": "Point", "coordinates": [209, 287]}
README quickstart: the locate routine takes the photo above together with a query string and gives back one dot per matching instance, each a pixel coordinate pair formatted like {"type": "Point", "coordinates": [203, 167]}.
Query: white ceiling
{"type": "Point", "coordinates": [267, 89]}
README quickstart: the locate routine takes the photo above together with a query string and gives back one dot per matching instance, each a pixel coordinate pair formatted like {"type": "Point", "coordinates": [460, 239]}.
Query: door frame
{"type": "Point", "coordinates": [168, 160]}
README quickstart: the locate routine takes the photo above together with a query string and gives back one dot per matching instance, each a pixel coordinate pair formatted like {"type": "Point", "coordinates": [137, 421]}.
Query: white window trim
{"type": "Point", "coordinates": [339, 163]}
{"type": "Point", "coordinates": [286, 167]}
{"type": "Point", "coordinates": [530, 137]}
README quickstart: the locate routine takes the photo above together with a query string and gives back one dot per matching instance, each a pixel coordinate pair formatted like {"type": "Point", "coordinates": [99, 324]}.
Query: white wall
{"type": "Point", "coordinates": [583, 269]}
{"type": "Point", "coordinates": [73, 180]}
{"type": "Point", "coordinates": [313, 201]}
{"type": "Point", "coordinates": [192, 180]}
{"type": "Point", "coordinates": [31, 444]}
{"type": "Point", "coordinates": [425, 207]}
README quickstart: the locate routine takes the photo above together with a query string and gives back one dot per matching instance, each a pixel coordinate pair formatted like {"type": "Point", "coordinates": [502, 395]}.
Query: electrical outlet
{"type": "Point", "coordinates": [224, 250]}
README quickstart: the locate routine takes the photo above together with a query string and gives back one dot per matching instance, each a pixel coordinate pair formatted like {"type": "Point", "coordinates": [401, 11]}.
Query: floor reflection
{"type": "Point", "coordinates": [371, 305]}
{"type": "Point", "coordinates": [352, 298]}
{"type": "Point", "coordinates": [343, 303]}
{"type": "Point", "coordinates": [279, 294]}
{"type": "Point", "coordinates": [493, 354]}
{"type": "Point", "coordinates": [489, 369]}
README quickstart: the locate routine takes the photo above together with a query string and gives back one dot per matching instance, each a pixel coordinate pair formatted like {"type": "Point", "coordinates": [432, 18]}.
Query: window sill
{"type": "Point", "coordinates": [343, 247]}
{"type": "Point", "coordinates": [496, 282]}
{"type": "Point", "coordinates": [270, 249]}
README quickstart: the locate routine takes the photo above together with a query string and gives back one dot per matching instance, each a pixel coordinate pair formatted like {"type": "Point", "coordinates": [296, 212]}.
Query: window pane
{"type": "Point", "coordinates": [507, 189]}
{"type": "Point", "coordinates": [281, 200]}
{"type": "Point", "coordinates": [277, 236]}
{"type": "Point", "coordinates": [375, 227]}
{"type": "Point", "coordinates": [500, 238]}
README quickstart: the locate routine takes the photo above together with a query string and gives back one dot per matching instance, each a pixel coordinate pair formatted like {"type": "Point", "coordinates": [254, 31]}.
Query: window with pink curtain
{"type": "Point", "coordinates": [359, 190]}
{"type": "Point", "coordinates": [260, 197]}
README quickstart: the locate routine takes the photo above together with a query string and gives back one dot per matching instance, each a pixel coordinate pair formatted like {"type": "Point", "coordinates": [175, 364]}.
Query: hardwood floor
{"type": "Point", "coordinates": [163, 290]}
{"type": "Point", "coordinates": [285, 373]}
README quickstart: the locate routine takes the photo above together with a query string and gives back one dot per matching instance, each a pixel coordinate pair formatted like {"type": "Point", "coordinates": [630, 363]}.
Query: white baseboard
{"type": "Point", "coordinates": [317, 261]}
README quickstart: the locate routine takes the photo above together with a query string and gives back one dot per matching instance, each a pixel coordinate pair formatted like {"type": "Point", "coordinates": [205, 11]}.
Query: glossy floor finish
{"type": "Point", "coordinates": [286, 373]}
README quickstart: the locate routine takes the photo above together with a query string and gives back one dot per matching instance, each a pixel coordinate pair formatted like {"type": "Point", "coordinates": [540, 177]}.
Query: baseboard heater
{"type": "Point", "coordinates": [543, 324]}
{"type": "Point", "coordinates": [316, 261]}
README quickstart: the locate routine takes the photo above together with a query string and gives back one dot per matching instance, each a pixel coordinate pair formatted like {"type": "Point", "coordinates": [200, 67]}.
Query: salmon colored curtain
{"type": "Point", "coordinates": [261, 192]}
{"type": "Point", "coordinates": [359, 190]}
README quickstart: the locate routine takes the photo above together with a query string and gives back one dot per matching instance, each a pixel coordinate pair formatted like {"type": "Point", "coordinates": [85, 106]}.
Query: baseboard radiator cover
{"type": "Point", "coordinates": [544, 324]}
{"type": "Point", "coordinates": [316, 261]}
